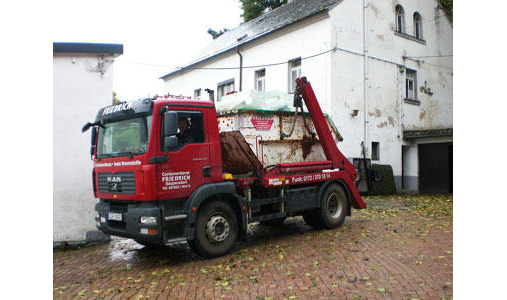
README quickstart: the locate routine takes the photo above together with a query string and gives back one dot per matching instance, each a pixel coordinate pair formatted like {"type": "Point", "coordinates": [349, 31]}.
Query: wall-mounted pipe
{"type": "Point", "coordinates": [366, 75]}
{"type": "Point", "coordinates": [240, 70]}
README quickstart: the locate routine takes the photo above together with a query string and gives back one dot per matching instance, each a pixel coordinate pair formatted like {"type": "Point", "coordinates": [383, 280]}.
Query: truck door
{"type": "Point", "coordinates": [188, 164]}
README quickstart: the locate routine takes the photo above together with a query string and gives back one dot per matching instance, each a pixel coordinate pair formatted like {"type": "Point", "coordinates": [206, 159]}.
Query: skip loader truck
{"type": "Point", "coordinates": [170, 170]}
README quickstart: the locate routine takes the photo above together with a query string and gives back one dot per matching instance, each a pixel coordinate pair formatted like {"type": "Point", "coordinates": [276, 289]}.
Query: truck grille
{"type": "Point", "coordinates": [118, 183]}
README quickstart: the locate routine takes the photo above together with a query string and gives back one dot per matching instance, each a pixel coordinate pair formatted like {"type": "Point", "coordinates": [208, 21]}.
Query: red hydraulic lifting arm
{"type": "Point", "coordinates": [319, 121]}
{"type": "Point", "coordinates": [304, 88]}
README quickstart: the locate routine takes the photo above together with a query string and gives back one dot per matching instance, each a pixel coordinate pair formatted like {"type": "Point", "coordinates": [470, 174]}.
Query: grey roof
{"type": "Point", "coordinates": [263, 25]}
{"type": "Point", "coordinates": [88, 48]}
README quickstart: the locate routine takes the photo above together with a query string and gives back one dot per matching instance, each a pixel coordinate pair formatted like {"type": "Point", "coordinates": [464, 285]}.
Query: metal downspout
{"type": "Point", "coordinates": [240, 70]}
{"type": "Point", "coordinates": [366, 138]}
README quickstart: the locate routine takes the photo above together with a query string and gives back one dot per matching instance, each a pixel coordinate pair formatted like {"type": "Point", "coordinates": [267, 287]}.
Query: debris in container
{"type": "Point", "coordinates": [237, 156]}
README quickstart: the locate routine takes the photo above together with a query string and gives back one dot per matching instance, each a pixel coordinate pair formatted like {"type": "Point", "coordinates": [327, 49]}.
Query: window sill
{"type": "Point", "coordinates": [412, 101]}
{"type": "Point", "coordinates": [412, 38]}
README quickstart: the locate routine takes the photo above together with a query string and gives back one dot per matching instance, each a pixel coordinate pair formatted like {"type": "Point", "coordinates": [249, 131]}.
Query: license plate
{"type": "Point", "coordinates": [114, 216]}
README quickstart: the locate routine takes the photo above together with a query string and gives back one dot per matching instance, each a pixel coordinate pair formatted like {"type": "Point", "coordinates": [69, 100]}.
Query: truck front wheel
{"type": "Point", "coordinates": [216, 229]}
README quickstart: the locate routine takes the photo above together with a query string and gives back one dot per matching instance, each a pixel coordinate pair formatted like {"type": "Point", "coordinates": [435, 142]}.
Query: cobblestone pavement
{"type": "Point", "coordinates": [398, 248]}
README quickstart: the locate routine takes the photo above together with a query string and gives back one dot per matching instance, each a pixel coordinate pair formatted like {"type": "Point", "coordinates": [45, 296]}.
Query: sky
{"type": "Point", "coordinates": [157, 36]}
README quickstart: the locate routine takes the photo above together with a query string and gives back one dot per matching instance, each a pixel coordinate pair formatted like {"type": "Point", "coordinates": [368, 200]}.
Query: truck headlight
{"type": "Point", "coordinates": [148, 220]}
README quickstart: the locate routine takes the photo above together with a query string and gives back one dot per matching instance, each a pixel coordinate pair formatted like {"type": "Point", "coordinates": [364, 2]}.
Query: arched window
{"type": "Point", "coordinates": [417, 26]}
{"type": "Point", "coordinates": [400, 19]}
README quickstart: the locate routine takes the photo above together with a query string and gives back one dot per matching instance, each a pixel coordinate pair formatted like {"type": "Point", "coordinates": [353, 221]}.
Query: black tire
{"type": "Point", "coordinates": [333, 206]}
{"type": "Point", "coordinates": [216, 229]}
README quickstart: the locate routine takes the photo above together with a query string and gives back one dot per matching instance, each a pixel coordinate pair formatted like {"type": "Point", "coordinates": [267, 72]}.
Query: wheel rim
{"type": "Point", "coordinates": [334, 205]}
{"type": "Point", "coordinates": [217, 229]}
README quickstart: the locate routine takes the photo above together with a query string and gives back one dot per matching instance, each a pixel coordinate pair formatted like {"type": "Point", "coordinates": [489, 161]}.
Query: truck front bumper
{"type": "Point", "coordinates": [124, 219]}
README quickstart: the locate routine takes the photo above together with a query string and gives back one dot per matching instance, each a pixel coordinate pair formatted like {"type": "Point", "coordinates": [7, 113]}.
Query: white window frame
{"type": "Point", "coordinates": [294, 69]}
{"type": "Point", "coordinates": [400, 19]}
{"type": "Point", "coordinates": [260, 80]}
{"type": "Point", "coordinates": [197, 94]}
{"type": "Point", "coordinates": [418, 26]}
{"type": "Point", "coordinates": [225, 87]}
{"type": "Point", "coordinates": [410, 81]}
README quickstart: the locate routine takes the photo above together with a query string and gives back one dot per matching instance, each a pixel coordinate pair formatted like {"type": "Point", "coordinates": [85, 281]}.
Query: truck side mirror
{"type": "Point", "coordinates": [170, 123]}
{"type": "Point", "coordinates": [94, 135]}
{"type": "Point", "coordinates": [170, 142]}
{"type": "Point", "coordinates": [86, 127]}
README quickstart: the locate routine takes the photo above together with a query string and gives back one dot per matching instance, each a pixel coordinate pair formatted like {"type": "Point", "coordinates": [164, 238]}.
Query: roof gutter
{"type": "Point", "coordinates": [87, 48]}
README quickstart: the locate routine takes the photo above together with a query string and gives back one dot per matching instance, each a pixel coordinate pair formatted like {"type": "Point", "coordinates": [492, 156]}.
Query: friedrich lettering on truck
{"type": "Point", "coordinates": [166, 172]}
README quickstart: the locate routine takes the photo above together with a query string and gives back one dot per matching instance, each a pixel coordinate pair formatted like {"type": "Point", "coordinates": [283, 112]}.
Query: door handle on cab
{"type": "Point", "coordinates": [158, 159]}
{"type": "Point", "coordinates": [206, 171]}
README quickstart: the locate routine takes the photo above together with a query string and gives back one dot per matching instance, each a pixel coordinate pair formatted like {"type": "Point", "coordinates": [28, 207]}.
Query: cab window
{"type": "Point", "coordinates": [190, 129]}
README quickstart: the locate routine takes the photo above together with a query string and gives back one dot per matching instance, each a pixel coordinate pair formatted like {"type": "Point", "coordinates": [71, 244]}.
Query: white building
{"type": "Point", "coordinates": [82, 82]}
{"type": "Point", "coordinates": [402, 52]}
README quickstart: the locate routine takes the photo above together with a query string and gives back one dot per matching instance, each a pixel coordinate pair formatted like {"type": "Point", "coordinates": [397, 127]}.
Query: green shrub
{"type": "Point", "coordinates": [386, 185]}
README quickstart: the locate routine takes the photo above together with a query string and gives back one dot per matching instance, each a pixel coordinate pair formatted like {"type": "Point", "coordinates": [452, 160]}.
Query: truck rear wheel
{"type": "Point", "coordinates": [333, 206]}
{"type": "Point", "coordinates": [216, 229]}
{"type": "Point", "coordinates": [332, 211]}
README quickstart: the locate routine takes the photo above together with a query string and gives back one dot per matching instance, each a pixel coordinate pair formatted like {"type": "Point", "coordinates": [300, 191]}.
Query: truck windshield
{"type": "Point", "coordinates": [124, 138]}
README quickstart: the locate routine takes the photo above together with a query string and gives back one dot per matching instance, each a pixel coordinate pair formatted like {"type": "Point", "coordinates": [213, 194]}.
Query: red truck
{"type": "Point", "coordinates": [164, 174]}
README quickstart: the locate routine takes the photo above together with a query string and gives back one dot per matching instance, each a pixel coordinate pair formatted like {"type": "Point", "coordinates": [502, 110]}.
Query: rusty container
{"type": "Point", "coordinates": [252, 139]}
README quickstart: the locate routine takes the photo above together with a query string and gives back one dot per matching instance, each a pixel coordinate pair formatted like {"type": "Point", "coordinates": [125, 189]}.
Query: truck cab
{"type": "Point", "coordinates": [141, 159]}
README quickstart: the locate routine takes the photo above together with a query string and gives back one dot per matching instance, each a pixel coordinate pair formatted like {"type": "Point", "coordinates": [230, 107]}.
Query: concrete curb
{"type": "Point", "coordinates": [91, 238]}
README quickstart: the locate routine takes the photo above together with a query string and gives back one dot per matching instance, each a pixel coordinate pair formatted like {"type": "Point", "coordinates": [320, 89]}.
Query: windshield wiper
{"type": "Point", "coordinates": [129, 153]}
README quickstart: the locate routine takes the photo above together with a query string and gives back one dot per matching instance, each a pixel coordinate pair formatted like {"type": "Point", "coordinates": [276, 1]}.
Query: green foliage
{"type": "Point", "coordinates": [447, 6]}
{"type": "Point", "coordinates": [254, 8]}
{"type": "Point", "coordinates": [251, 10]}
{"type": "Point", "coordinates": [115, 99]}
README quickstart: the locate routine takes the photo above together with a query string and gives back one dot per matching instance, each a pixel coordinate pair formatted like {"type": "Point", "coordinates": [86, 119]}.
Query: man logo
{"type": "Point", "coordinates": [111, 179]}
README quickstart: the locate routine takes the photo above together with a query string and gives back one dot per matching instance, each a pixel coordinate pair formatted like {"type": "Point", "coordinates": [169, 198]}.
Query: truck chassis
{"type": "Point", "coordinates": [217, 214]}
